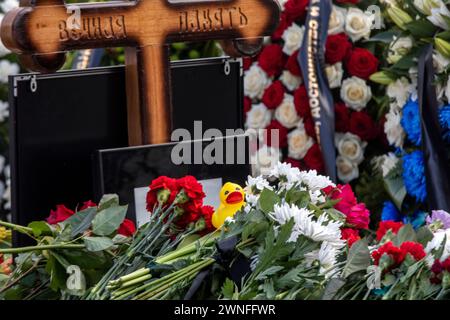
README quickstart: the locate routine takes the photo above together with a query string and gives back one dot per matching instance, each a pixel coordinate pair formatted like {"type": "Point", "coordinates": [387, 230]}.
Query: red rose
{"type": "Point", "coordinates": [271, 59]}
{"type": "Point", "coordinates": [158, 184]}
{"type": "Point", "coordinates": [358, 216]}
{"type": "Point", "coordinates": [282, 26]}
{"type": "Point", "coordinates": [295, 9]}
{"type": "Point", "coordinates": [87, 204]}
{"type": "Point", "coordinates": [414, 249]}
{"type": "Point", "coordinates": [273, 95]}
{"type": "Point", "coordinates": [387, 225]}
{"type": "Point", "coordinates": [313, 158]}
{"type": "Point", "coordinates": [247, 104]}
{"type": "Point", "coordinates": [395, 253]}
{"type": "Point", "coordinates": [127, 228]}
{"type": "Point", "coordinates": [362, 63]}
{"type": "Point", "coordinates": [350, 235]}
{"type": "Point", "coordinates": [337, 48]}
{"type": "Point", "coordinates": [292, 64]}
{"type": "Point", "coordinates": [282, 134]}
{"type": "Point", "coordinates": [363, 126]}
{"type": "Point", "coordinates": [295, 163]}
{"type": "Point", "coordinates": [246, 63]}
{"type": "Point", "coordinates": [301, 102]}
{"type": "Point", "coordinates": [346, 196]}
{"type": "Point", "coordinates": [60, 214]}
{"type": "Point", "coordinates": [342, 117]}
{"type": "Point", "coordinates": [310, 127]}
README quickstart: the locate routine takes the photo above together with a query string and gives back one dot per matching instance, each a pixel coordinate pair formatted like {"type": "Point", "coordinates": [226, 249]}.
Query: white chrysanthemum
{"type": "Point", "coordinates": [251, 199]}
{"type": "Point", "coordinates": [399, 90]}
{"type": "Point", "coordinates": [316, 196]}
{"type": "Point", "coordinates": [437, 241]}
{"type": "Point", "coordinates": [326, 256]}
{"type": "Point", "coordinates": [285, 171]}
{"type": "Point", "coordinates": [393, 129]}
{"type": "Point", "coordinates": [389, 161]}
{"type": "Point", "coordinates": [257, 183]}
{"type": "Point", "coordinates": [320, 230]}
{"type": "Point", "coordinates": [315, 181]}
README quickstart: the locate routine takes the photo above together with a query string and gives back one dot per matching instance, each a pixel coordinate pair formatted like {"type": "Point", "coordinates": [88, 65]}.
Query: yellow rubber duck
{"type": "Point", "coordinates": [232, 198]}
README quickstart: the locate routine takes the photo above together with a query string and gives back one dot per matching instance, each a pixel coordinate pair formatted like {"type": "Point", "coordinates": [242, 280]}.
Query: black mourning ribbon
{"type": "Point", "coordinates": [311, 58]}
{"type": "Point", "coordinates": [237, 269]}
{"type": "Point", "coordinates": [435, 157]}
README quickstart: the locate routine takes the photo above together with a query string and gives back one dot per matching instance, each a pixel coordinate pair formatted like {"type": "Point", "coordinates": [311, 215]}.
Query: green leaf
{"type": "Point", "coordinates": [424, 235]}
{"type": "Point", "coordinates": [267, 200]}
{"type": "Point", "coordinates": [385, 37]}
{"type": "Point", "coordinates": [421, 28]}
{"type": "Point", "coordinates": [268, 272]}
{"type": "Point", "coordinates": [109, 220]}
{"type": "Point", "coordinates": [81, 221]}
{"type": "Point", "coordinates": [40, 228]}
{"type": "Point", "coordinates": [406, 233]}
{"type": "Point", "coordinates": [358, 258]}
{"type": "Point", "coordinates": [87, 259]}
{"type": "Point", "coordinates": [333, 286]}
{"type": "Point", "coordinates": [108, 201]}
{"type": "Point", "coordinates": [57, 273]}
{"type": "Point", "coordinates": [336, 214]}
{"type": "Point", "coordinates": [228, 288]}
{"type": "Point", "coordinates": [396, 190]}
{"type": "Point", "coordinates": [297, 197]}
{"type": "Point", "coordinates": [445, 35]}
{"type": "Point", "coordinates": [95, 244]}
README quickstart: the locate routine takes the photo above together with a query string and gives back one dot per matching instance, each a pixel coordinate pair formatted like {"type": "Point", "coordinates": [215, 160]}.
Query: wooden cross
{"type": "Point", "coordinates": [41, 31]}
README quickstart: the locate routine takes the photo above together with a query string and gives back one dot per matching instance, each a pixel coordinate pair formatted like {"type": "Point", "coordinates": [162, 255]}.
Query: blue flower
{"type": "Point", "coordinates": [390, 212]}
{"type": "Point", "coordinates": [411, 122]}
{"type": "Point", "coordinates": [414, 175]}
{"type": "Point", "coordinates": [444, 119]}
{"type": "Point", "coordinates": [416, 220]}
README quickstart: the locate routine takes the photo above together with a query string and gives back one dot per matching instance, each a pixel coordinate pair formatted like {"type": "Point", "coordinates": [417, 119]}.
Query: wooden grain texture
{"type": "Point", "coordinates": [41, 31]}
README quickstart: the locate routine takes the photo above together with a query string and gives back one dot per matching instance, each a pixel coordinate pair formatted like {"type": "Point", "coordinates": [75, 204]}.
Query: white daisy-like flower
{"type": "Point", "coordinates": [320, 230]}
{"type": "Point", "coordinates": [316, 196]}
{"type": "Point", "coordinates": [437, 241]}
{"type": "Point", "coordinates": [288, 175]}
{"type": "Point", "coordinates": [257, 183]}
{"type": "Point", "coordinates": [326, 256]}
{"type": "Point", "coordinates": [251, 199]}
{"type": "Point", "coordinates": [315, 181]}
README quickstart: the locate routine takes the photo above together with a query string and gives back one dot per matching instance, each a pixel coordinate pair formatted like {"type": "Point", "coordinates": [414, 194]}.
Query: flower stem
{"type": "Point", "coordinates": [16, 227]}
{"type": "Point", "coordinates": [41, 248]}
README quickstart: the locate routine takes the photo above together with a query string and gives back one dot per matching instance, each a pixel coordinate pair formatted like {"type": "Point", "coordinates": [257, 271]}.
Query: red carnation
{"type": "Point", "coordinates": [387, 225]}
{"type": "Point", "coordinates": [337, 48]}
{"type": "Point", "coordinates": [395, 253]}
{"type": "Point", "coordinates": [363, 126]}
{"type": "Point", "coordinates": [292, 64]}
{"type": "Point", "coordinates": [358, 216]}
{"type": "Point", "coordinates": [127, 228]}
{"type": "Point", "coordinates": [313, 158]}
{"type": "Point", "coordinates": [271, 59]}
{"type": "Point", "coordinates": [282, 26]}
{"type": "Point", "coordinates": [295, 9]}
{"type": "Point", "coordinates": [301, 102]}
{"type": "Point", "coordinates": [414, 249]}
{"type": "Point", "coordinates": [282, 134]}
{"type": "Point", "coordinates": [273, 95]}
{"type": "Point", "coordinates": [247, 104]}
{"type": "Point", "coordinates": [362, 63]}
{"type": "Point", "coordinates": [192, 188]}
{"type": "Point", "coordinates": [350, 235]}
{"type": "Point", "coordinates": [310, 127]}
{"type": "Point", "coordinates": [206, 213]}
{"type": "Point", "coordinates": [342, 117]}
{"type": "Point", "coordinates": [346, 196]}
{"type": "Point", "coordinates": [158, 184]}
{"type": "Point", "coordinates": [60, 214]}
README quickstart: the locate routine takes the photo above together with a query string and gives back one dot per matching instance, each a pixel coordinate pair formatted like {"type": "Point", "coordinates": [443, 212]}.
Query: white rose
{"type": "Point", "coordinates": [334, 74]}
{"type": "Point", "coordinates": [440, 63]}
{"type": "Point", "coordinates": [355, 93]}
{"type": "Point", "coordinates": [346, 170]}
{"type": "Point", "coordinates": [255, 81]}
{"type": "Point", "coordinates": [258, 117]}
{"type": "Point", "coordinates": [264, 160]}
{"type": "Point", "coordinates": [337, 20]}
{"type": "Point", "coordinates": [399, 90]}
{"type": "Point", "coordinates": [299, 143]}
{"type": "Point", "coordinates": [7, 68]}
{"type": "Point", "coordinates": [293, 37]}
{"type": "Point", "coordinates": [290, 81]}
{"type": "Point", "coordinates": [8, 5]}
{"type": "Point", "coordinates": [425, 6]}
{"type": "Point", "coordinates": [437, 17]}
{"type": "Point", "coordinates": [398, 48]}
{"type": "Point", "coordinates": [389, 161]}
{"type": "Point", "coordinates": [350, 146]}
{"type": "Point", "coordinates": [357, 24]}
{"type": "Point", "coordinates": [393, 129]}
{"type": "Point", "coordinates": [286, 113]}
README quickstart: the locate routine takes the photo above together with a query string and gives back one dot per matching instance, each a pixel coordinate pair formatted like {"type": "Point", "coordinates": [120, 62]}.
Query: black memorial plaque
{"type": "Point", "coordinates": [59, 120]}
